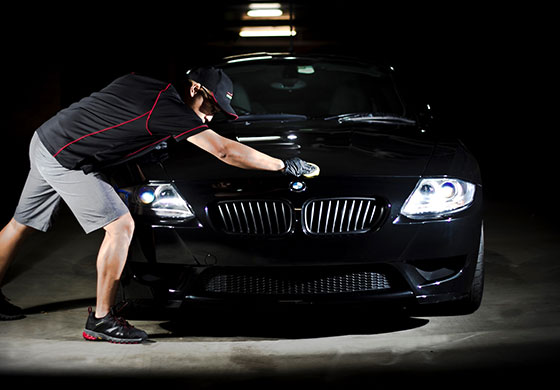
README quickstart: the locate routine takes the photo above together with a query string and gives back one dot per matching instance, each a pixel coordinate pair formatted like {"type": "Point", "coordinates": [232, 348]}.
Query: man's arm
{"type": "Point", "coordinates": [235, 153]}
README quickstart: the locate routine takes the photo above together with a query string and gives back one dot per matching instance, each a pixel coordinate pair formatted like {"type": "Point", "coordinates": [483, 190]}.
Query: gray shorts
{"type": "Point", "coordinates": [93, 201]}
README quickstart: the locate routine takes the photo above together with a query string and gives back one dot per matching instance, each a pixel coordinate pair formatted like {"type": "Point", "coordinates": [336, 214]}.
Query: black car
{"type": "Point", "coordinates": [395, 215]}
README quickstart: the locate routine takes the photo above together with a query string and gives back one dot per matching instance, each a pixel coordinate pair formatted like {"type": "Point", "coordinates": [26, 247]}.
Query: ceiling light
{"type": "Point", "coordinates": [264, 5]}
{"type": "Point", "coordinates": [269, 31]}
{"type": "Point", "coordinates": [264, 13]}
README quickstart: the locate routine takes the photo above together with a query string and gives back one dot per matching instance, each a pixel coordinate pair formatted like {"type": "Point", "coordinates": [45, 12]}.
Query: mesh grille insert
{"type": "Point", "coordinates": [335, 282]}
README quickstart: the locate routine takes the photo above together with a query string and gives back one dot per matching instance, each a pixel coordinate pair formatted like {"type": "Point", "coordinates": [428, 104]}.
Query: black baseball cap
{"type": "Point", "coordinates": [219, 85]}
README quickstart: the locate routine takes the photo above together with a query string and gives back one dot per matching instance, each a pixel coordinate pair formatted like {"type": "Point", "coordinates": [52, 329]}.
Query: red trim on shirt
{"type": "Point", "coordinates": [99, 131]}
{"type": "Point", "coordinates": [154, 106]}
{"type": "Point", "coordinates": [148, 113]}
{"type": "Point", "coordinates": [188, 131]}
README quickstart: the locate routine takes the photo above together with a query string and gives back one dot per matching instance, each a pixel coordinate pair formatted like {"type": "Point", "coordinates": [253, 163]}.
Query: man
{"type": "Point", "coordinates": [127, 118]}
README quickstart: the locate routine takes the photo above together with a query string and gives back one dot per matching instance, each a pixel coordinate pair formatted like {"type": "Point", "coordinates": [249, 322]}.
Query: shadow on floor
{"type": "Point", "coordinates": [287, 323]}
{"type": "Point", "coordinates": [58, 306]}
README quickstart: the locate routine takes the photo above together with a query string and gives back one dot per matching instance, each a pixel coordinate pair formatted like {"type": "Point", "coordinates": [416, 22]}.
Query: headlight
{"type": "Point", "coordinates": [438, 197]}
{"type": "Point", "coordinates": [161, 200]}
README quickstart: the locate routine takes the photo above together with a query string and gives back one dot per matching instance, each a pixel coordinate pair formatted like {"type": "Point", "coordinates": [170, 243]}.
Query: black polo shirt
{"type": "Point", "coordinates": [127, 118]}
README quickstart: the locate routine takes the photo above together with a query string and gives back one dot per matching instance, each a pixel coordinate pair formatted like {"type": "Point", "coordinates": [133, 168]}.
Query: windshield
{"type": "Point", "coordinates": [315, 89]}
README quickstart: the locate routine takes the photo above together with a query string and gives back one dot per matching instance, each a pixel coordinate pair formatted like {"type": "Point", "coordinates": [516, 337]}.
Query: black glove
{"type": "Point", "coordinates": [297, 167]}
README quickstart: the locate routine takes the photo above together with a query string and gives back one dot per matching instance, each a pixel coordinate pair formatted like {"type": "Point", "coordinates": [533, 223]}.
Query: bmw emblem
{"type": "Point", "coordinates": [297, 186]}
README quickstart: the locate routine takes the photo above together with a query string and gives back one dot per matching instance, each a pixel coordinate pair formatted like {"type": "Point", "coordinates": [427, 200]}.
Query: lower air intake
{"type": "Point", "coordinates": [290, 284]}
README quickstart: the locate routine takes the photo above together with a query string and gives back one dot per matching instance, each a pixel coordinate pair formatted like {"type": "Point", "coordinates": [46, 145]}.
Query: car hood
{"type": "Point", "coordinates": [339, 150]}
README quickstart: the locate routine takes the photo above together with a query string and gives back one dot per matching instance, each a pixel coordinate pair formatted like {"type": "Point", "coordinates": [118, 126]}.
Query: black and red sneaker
{"type": "Point", "coordinates": [112, 328]}
{"type": "Point", "coordinates": [9, 311]}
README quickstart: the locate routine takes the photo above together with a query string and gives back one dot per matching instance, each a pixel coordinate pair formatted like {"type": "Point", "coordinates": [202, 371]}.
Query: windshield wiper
{"type": "Point", "coordinates": [371, 117]}
{"type": "Point", "coordinates": [272, 117]}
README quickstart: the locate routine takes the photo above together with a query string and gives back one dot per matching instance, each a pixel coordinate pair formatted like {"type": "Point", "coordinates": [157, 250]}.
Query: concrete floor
{"type": "Point", "coordinates": [514, 335]}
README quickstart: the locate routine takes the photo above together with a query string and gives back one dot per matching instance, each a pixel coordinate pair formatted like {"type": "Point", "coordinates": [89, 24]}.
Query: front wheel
{"type": "Point", "coordinates": [472, 302]}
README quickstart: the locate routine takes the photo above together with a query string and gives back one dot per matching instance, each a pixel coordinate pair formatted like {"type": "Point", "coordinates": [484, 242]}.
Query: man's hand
{"type": "Point", "coordinates": [297, 167]}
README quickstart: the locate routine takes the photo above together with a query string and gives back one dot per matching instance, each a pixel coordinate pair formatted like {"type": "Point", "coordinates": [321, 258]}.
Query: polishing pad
{"type": "Point", "coordinates": [314, 172]}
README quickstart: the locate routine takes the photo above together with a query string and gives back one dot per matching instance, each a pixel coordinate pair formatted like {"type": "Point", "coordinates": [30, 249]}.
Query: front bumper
{"type": "Point", "coordinates": [423, 263]}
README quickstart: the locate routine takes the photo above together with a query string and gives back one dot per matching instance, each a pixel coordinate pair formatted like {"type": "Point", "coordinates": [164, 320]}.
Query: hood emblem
{"type": "Point", "coordinates": [297, 186]}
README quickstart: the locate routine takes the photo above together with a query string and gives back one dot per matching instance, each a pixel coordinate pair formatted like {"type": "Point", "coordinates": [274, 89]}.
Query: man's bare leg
{"type": "Point", "coordinates": [110, 263]}
{"type": "Point", "coordinates": [11, 238]}
{"type": "Point", "coordinates": [111, 260]}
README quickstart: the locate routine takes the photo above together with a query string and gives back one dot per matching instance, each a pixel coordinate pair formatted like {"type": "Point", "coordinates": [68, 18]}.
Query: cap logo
{"type": "Point", "coordinates": [229, 95]}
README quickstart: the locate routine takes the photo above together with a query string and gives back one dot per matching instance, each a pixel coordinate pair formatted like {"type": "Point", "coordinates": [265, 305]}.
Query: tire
{"type": "Point", "coordinates": [471, 303]}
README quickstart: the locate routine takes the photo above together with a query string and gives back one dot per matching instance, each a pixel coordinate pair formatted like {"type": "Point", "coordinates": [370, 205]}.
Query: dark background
{"type": "Point", "coordinates": [485, 68]}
